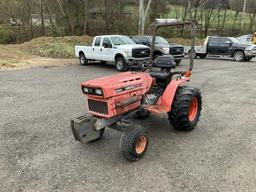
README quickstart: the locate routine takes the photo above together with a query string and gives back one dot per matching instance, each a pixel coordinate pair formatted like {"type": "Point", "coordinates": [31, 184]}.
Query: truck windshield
{"type": "Point", "coordinates": [121, 40]}
{"type": "Point", "coordinates": [159, 40]}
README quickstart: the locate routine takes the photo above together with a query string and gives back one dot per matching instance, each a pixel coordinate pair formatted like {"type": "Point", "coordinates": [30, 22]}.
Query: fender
{"type": "Point", "coordinates": [164, 102]}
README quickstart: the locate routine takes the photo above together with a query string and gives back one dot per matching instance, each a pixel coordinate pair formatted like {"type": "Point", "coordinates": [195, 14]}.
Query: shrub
{"type": "Point", "coordinates": [6, 35]}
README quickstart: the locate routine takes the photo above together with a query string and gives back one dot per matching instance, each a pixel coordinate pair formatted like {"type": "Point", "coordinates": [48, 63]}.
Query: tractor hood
{"type": "Point", "coordinates": [118, 84]}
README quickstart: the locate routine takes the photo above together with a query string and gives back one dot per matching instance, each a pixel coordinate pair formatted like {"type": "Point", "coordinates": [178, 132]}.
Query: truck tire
{"type": "Point", "coordinates": [178, 62]}
{"type": "Point", "coordinates": [186, 108]}
{"type": "Point", "coordinates": [120, 64]}
{"type": "Point", "coordinates": [202, 56]}
{"type": "Point", "coordinates": [134, 142]}
{"type": "Point", "coordinates": [82, 59]}
{"type": "Point", "coordinates": [194, 55]}
{"type": "Point", "coordinates": [239, 56]}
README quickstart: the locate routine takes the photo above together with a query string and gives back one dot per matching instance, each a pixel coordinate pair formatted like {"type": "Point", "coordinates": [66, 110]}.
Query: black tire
{"type": "Point", "coordinates": [134, 142]}
{"type": "Point", "coordinates": [239, 56]}
{"type": "Point", "coordinates": [120, 64]}
{"type": "Point", "coordinates": [103, 62]}
{"type": "Point", "coordinates": [142, 114]}
{"type": "Point", "coordinates": [82, 59]}
{"type": "Point", "coordinates": [102, 131]}
{"type": "Point", "coordinates": [156, 55]}
{"type": "Point", "coordinates": [184, 115]}
{"type": "Point", "coordinates": [178, 62]}
{"type": "Point", "coordinates": [248, 59]}
{"type": "Point", "coordinates": [202, 56]}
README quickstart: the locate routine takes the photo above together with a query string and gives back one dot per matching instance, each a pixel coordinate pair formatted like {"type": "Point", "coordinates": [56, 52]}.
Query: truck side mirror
{"type": "Point", "coordinates": [228, 43]}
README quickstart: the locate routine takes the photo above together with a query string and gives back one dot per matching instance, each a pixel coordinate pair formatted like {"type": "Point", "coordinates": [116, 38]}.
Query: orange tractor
{"type": "Point", "coordinates": [114, 99]}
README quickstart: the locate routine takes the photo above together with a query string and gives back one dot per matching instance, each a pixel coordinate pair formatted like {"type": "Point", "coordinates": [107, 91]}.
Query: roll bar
{"type": "Point", "coordinates": [159, 23]}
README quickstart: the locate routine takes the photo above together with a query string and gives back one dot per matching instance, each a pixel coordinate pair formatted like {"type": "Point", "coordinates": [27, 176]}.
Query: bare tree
{"type": "Point", "coordinates": [143, 13]}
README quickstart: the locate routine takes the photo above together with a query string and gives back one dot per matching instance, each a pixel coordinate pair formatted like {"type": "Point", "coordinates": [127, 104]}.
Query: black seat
{"type": "Point", "coordinates": [162, 66]}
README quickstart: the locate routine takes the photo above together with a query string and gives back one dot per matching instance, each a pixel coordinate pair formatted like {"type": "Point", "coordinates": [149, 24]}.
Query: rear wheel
{"type": "Point", "coordinates": [239, 56]}
{"type": "Point", "coordinates": [194, 55]}
{"type": "Point", "coordinates": [186, 108]}
{"type": "Point", "coordinates": [202, 56]}
{"type": "Point", "coordinates": [120, 64]}
{"type": "Point", "coordinates": [134, 142]}
{"type": "Point", "coordinates": [82, 59]}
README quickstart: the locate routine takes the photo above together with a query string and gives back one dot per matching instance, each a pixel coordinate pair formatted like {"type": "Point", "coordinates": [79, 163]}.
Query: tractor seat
{"type": "Point", "coordinates": [162, 66]}
{"type": "Point", "coordinates": [158, 73]}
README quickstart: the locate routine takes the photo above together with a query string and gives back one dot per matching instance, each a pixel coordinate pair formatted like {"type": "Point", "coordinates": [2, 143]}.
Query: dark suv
{"type": "Point", "coordinates": [162, 47]}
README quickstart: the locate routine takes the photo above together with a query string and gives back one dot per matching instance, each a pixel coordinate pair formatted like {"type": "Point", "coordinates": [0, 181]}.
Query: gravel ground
{"type": "Point", "coordinates": [38, 152]}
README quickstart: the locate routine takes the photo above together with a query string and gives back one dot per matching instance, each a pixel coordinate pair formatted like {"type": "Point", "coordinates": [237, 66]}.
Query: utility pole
{"type": "Point", "coordinates": [244, 9]}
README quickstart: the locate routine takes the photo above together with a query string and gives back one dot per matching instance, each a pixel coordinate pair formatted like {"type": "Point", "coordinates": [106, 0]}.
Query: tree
{"type": "Point", "coordinates": [143, 13]}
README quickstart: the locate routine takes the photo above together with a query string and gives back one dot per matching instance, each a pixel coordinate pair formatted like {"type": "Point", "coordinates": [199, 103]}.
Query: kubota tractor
{"type": "Point", "coordinates": [112, 100]}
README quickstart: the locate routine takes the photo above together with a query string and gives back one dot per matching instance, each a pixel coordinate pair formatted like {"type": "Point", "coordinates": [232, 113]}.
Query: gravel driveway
{"type": "Point", "coordinates": [38, 152]}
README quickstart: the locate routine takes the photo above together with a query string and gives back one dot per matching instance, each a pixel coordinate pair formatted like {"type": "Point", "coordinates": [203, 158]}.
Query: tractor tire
{"type": "Point", "coordinates": [202, 56]}
{"type": "Point", "coordinates": [186, 108]}
{"type": "Point", "coordinates": [134, 142]}
{"type": "Point", "coordinates": [82, 59]}
{"type": "Point", "coordinates": [142, 114]}
{"type": "Point", "coordinates": [121, 65]}
{"type": "Point", "coordinates": [102, 131]}
{"type": "Point", "coordinates": [239, 56]}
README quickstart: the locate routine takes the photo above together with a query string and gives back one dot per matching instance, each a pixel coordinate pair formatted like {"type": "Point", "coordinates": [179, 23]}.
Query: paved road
{"type": "Point", "coordinates": [38, 152]}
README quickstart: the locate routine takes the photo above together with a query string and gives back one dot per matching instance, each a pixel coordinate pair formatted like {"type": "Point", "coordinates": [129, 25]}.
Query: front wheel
{"type": "Point", "coordinates": [186, 108]}
{"type": "Point", "coordinates": [82, 59]}
{"type": "Point", "coordinates": [120, 64]}
{"type": "Point", "coordinates": [134, 142]}
{"type": "Point", "coordinates": [239, 56]}
{"type": "Point", "coordinates": [178, 62]}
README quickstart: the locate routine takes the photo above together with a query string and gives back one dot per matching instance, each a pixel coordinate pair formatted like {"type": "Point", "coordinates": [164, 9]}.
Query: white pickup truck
{"type": "Point", "coordinates": [113, 48]}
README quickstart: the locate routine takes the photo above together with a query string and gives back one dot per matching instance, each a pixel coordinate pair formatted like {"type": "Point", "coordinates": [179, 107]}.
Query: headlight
{"type": "Point", "coordinates": [166, 50]}
{"type": "Point", "coordinates": [92, 91]}
{"type": "Point", "coordinates": [127, 52]}
{"type": "Point", "coordinates": [98, 92]}
{"type": "Point", "coordinates": [85, 90]}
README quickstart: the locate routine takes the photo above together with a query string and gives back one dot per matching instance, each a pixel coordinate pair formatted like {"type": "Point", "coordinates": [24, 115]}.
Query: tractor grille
{"type": "Point", "coordinates": [140, 53]}
{"type": "Point", "coordinates": [176, 50]}
{"type": "Point", "coordinates": [98, 106]}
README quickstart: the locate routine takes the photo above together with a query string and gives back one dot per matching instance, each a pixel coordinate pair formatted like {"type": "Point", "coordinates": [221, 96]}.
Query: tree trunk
{"type": "Point", "coordinates": [224, 21]}
{"type": "Point", "coordinates": [143, 13]}
{"type": "Point", "coordinates": [85, 17]}
{"type": "Point", "coordinates": [42, 17]}
{"type": "Point", "coordinates": [50, 18]}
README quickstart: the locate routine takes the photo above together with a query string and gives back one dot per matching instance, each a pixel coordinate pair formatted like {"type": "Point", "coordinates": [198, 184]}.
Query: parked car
{"type": "Point", "coordinates": [113, 48]}
{"type": "Point", "coordinates": [224, 46]}
{"type": "Point", "coordinates": [162, 47]}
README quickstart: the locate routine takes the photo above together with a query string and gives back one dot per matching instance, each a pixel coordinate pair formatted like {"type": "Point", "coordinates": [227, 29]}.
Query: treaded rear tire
{"type": "Point", "coordinates": [179, 116]}
{"type": "Point", "coordinates": [129, 140]}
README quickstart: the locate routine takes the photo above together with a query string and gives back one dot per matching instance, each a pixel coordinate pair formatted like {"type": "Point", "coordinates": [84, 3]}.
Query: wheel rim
{"type": "Point", "coordinates": [119, 65]}
{"type": "Point", "coordinates": [82, 59]}
{"type": "Point", "coordinates": [193, 108]}
{"type": "Point", "coordinates": [238, 56]}
{"type": "Point", "coordinates": [140, 144]}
